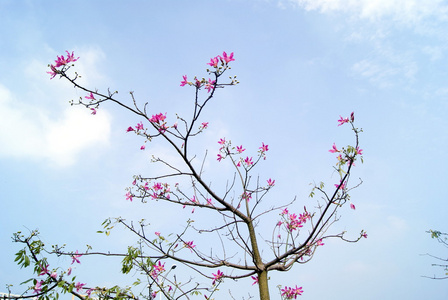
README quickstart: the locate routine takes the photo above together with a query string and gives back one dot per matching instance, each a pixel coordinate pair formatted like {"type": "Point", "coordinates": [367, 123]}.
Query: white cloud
{"type": "Point", "coordinates": [38, 123]}
{"type": "Point", "coordinates": [32, 132]}
{"type": "Point", "coordinates": [405, 11]}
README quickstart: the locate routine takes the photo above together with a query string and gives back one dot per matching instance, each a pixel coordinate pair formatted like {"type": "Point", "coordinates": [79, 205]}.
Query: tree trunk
{"type": "Point", "coordinates": [263, 285]}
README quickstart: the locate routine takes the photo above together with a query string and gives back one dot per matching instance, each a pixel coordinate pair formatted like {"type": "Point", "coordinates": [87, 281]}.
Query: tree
{"type": "Point", "coordinates": [237, 207]}
{"type": "Point", "coordinates": [443, 239]}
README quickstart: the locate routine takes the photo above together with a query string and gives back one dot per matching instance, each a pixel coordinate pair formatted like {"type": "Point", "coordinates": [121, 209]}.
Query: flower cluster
{"type": "Point", "coordinates": [292, 221]}
{"type": "Point", "coordinates": [61, 61]}
{"type": "Point", "coordinates": [157, 269]}
{"type": "Point", "coordinates": [217, 277]}
{"type": "Point", "coordinates": [158, 190]}
{"type": "Point", "coordinates": [291, 293]}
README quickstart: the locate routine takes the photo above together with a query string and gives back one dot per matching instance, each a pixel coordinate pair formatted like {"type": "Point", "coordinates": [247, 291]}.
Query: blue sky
{"type": "Point", "coordinates": [301, 64]}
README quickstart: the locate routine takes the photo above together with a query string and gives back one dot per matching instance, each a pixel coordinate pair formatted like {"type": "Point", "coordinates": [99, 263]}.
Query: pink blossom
{"type": "Point", "coordinates": [342, 121]}
{"type": "Point", "coordinates": [248, 161]}
{"type": "Point", "coordinates": [341, 185]}
{"type": "Point", "coordinates": [358, 151]}
{"type": "Point", "coordinates": [53, 71]}
{"type": "Point", "coordinates": [364, 235]}
{"type": "Point", "coordinates": [62, 61]}
{"type": "Point", "coordinates": [222, 141]}
{"type": "Point", "coordinates": [264, 147]}
{"type": "Point", "coordinates": [142, 147]}
{"type": "Point", "coordinates": [204, 125]}
{"type": "Point", "coordinates": [129, 196]}
{"type": "Point", "coordinates": [214, 62]}
{"type": "Point", "coordinates": [320, 243]}
{"type": "Point", "coordinates": [227, 58]}
{"type": "Point", "coordinates": [163, 128]}
{"type": "Point", "coordinates": [209, 202]}
{"type": "Point", "coordinates": [219, 157]}
{"type": "Point", "coordinates": [217, 276]}
{"type": "Point", "coordinates": [69, 271]}
{"type": "Point", "coordinates": [75, 257]}
{"type": "Point", "coordinates": [157, 233]}
{"type": "Point", "coordinates": [89, 291]}
{"type": "Point", "coordinates": [352, 206]}
{"type": "Point", "coordinates": [210, 85]}
{"type": "Point", "coordinates": [93, 111]}
{"type": "Point", "coordinates": [90, 97]}
{"type": "Point", "coordinates": [291, 293]}
{"type": "Point", "coordinates": [255, 278]}
{"type": "Point", "coordinates": [175, 125]}
{"type": "Point", "coordinates": [44, 270]}
{"type": "Point", "coordinates": [247, 196]}
{"type": "Point", "coordinates": [38, 287]}
{"type": "Point", "coordinates": [197, 83]}
{"type": "Point", "coordinates": [158, 118]}
{"type": "Point", "coordinates": [54, 275]}
{"type": "Point", "coordinates": [352, 116]}
{"type": "Point", "coordinates": [271, 182]}
{"type": "Point", "coordinates": [284, 211]}
{"type": "Point", "coordinates": [79, 286]}
{"type": "Point", "coordinates": [334, 149]}
{"type": "Point", "coordinates": [240, 149]}
{"type": "Point", "coordinates": [130, 129]}
{"type": "Point", "coordinates": [190, 245]}
{"type": "Point", "coordinates": [139, 126]}
{"type": "Point", "coordinates": [184, 82]}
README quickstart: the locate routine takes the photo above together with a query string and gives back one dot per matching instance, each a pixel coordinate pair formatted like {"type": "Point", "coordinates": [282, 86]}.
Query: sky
{"type": "Point", "coordinates": [301, 64]}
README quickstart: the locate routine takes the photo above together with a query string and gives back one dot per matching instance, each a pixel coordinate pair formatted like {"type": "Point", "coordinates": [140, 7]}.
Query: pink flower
{"type": "Point", "coordinates": [291, 293]}
{"type": "Point", "coordinates": [142, 147]}
{"type": "Point", "coordinates": [341, 185]}
{"type": "Point", "coordinates": [184, 82]}
{"type": "Point", "coordinates": [271, 182]}
{"type": "Point", "coordinates": [320, 243]}
{"type": "Point", "coordinates": [93, 111]}
{"type": "Point", "coordinates": [214, 62]}
{"type": "Point", "coordinates": [358, 151]}
{"type": "Point", "coordinates": [44, 270]}
{"type": "Point", "coordinates": [364, 235]}
{"type": "Point", "coordinates": [79, 286]}
{"type": "Point", "coordinates": [190, 245]}
{"type": "Point", "coordinates": [157, 233]}
{"type": "Point", "coordinates": [284, 211]}
{"type": "Point", "coordinates": [69, 271]}
{"type": "Point", "coordinates": [248, 161]}
{"type": "Point", "coordinates": [197, 83]}
{"type": "Point", "coordinates": [130, 129]}
{"type": "Point", "coordinates": [53, 71]}
{"type": "Point", "coordinates": [352, 116]}
{"type": "Point", "coordinates": [139, 126]}
{"type": "Point", "coordinates": [222, 141]}
{"type": "Point", "coordinates": [255, 278]}
{"type": "Point", "coordinates": [342, 121]}
{"type": "Point", "coordinates": [352, 206]}
{"type": "Point", "coordinates": [89, 291]}
{"type": "Point", "coordinates": [217, 276]}
{"type": "Point", "coordinates": [75, 257]}
{"type": "Point", "coordinates": [54, 275]}
{"type": "Point", "coordinates": [240, 149]}
{"type": "Point", "coordinates": [158, 118]}
{"type": "Point", "coordinates": [129, 196]}
{"type": "Point", "coordinates": [219, 157]}
{"type": "Point", "coordinates": [209, 202]}
{"type": "Point", "coordinates": [226, 58]}
{"type": "Point", "coordinates": [159, 267]}
{"type": "Point", "coordinates": [204, 125]}
{"type": "Point", "coordinates": [61, 61]}
{"type": "Point", "coordinates": [210, 85]}
{"type": "Point", "coordinates": [38, 287]}
{"type": "Point", "coordinates": [264, 147]}
{"type": "Point", "coordinates": [334, 149]}
{"type": "Point", "coordinates": [90, 97]}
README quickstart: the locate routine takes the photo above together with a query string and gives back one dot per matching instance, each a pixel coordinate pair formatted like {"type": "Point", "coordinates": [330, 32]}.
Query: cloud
{"type": "Point", "coordinates": [37, 125]}
{"type": "Point", "coordinates": [32, 132]}
{"type": "Point", "coordinates": [404, 11]}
